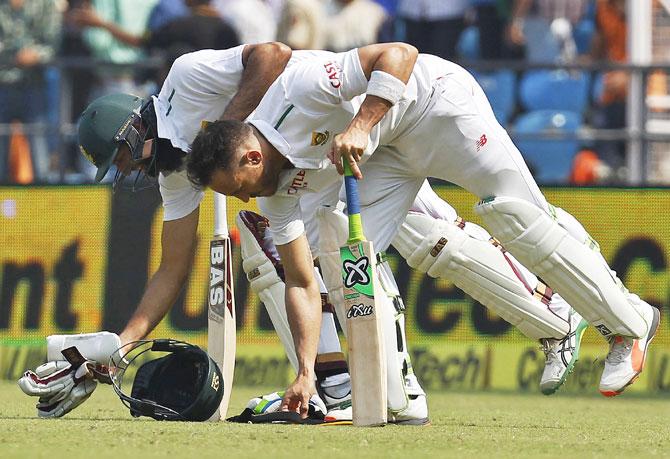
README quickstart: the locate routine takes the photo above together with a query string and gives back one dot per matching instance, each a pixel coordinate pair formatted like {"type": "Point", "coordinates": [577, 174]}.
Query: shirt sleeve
{"type": "Point", "coordinates": [180, 197]}
{"type": "Point", "coordinates": [285, 218]}
{"type": "Point", "coordinates": [210, 71]}
{"type": "Point", "coordinates": [317, 85]}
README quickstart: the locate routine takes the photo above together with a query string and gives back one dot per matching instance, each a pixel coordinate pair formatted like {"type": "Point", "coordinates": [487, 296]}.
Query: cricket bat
{"type": "Point", "coordinates": [367, 357]}
{"type": "Point", "coordinates": [221, 328]}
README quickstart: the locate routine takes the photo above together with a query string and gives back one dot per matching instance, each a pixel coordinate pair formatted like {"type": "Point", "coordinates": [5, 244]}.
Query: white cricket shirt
{"type": "Point", "coordinates": [308, 104]}
{"type": "Point", "coordinates": [198, 88]}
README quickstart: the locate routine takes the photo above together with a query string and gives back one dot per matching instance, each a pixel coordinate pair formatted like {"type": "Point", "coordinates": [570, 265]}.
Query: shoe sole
{"type": "Point", "coordinates": [424, 422]}
{"type": "Point", "coordinates": [579, 333]}
{"type": "Point", "coordinates": [328, 423]}
{"type": "Point", "coordinates": [656, 321]}
{"type": "Point", "coordinates": [412, 422]}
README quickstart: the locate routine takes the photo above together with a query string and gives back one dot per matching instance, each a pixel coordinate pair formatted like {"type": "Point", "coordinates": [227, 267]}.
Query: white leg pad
{"type": "Point", "coordinates": [398, 398]}
{"type": "Point", "coordinates": [442, 249]}
{"type": "Point", "coordinates": [576, 271]}
{"type": "Point", "coordinates": [266, 283]}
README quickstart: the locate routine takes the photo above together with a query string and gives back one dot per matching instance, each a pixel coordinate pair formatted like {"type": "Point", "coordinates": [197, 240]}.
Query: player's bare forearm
{"type": "Point", "coordinates": [303, 302]}
{"type": "Point", "coordinates": [371, 112]}
{"type": "Point", "coordinates": [393, 63]}
{"type": "Point", "coordinates": [304, 316]}
{"type": "Point", "coordinates": [263, 63]}
{"type": "Point", "coordinates": [396, 59]}
{"type": "Point", "coordinates": [161, 292]}
{"type": "Point", "coordinates": [178, 249]}
{"type": "Point", "coordinates": [303, 308]}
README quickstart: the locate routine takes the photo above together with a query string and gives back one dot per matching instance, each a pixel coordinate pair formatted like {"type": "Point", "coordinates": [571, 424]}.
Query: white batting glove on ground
{"type": "Point", "coordinates": [60, 386]}
{"type": "Point", "coordinates": [77, 396]}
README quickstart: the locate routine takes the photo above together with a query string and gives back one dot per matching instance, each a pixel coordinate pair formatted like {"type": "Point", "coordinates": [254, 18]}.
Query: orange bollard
{"type": "Point", "coordinates": [19, 161]}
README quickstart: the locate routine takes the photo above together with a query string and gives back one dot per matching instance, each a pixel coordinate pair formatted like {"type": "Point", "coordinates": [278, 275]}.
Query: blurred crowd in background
{"type": "Point", "coordinates": [37, 147]}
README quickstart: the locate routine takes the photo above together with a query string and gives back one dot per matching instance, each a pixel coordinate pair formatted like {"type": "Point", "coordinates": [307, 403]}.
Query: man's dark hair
{"type": "Point", "coordinates": [214, 148]}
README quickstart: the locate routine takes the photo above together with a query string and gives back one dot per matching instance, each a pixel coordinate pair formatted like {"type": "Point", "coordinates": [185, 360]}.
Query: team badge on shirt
{"type": "Point", "coordinates": [320, 138]}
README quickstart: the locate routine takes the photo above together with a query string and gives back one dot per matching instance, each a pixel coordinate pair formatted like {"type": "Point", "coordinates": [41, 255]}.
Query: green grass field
{"type": "Point", "coordinates": [463, 425]}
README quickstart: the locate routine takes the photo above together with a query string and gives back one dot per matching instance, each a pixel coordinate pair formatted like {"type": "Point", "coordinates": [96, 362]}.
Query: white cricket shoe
{"type": "Point", "coordinates": [335, 390]}
{"type": "Point", "coordinates": [626, 358]}
{"type": "Point", "coordinates": [340, 413]}
{"type": "Point", "coordinates": [562, 354]}
{"type": "Point", "coordinates": [416, 413]}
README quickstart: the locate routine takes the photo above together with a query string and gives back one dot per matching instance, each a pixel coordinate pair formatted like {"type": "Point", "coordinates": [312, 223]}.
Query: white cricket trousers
{"type": "Point", "coordinates": [457, 139]}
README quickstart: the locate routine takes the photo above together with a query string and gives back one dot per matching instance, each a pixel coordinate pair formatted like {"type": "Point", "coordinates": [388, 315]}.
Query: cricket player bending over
{"type": "Point", "coordinates": [155, 135]}
{"type": "Point", "coordinates": [432, 120]}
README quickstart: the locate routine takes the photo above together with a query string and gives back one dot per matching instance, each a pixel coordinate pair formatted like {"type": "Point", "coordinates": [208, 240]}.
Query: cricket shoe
{"type": "Point", "coordinates": [340, 413]}
{"type": "Point", "coordinates": [335, 390]}
{"type": "Point", "coordinates": [416, 413]}
{"type": "Point", "coordinates": [562, 354]}
{"type": "Point", "coordinates": [626, 358]}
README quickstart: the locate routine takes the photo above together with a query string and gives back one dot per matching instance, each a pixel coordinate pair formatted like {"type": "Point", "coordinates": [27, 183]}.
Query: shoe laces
{"type": "Point", "coordinates": [558, 348]}
{"type": "Point", "coordinates": [549, 348]}
{"type": "Point", "coordinates": [620, 348]}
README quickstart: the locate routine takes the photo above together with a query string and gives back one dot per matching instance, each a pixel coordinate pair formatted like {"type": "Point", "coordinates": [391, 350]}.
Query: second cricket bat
{"type": "Point", "coordinates": [221, 327]}
{"type": "Point", "coordinates": [367, 357]}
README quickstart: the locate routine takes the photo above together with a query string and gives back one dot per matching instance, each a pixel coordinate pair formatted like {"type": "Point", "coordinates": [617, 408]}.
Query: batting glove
{"type": "Point", "coordinates": [61, 387]}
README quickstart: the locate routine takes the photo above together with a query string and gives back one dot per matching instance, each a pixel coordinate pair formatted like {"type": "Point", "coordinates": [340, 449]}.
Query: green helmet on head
{"type": "Point", "coordinates": [106, 122]}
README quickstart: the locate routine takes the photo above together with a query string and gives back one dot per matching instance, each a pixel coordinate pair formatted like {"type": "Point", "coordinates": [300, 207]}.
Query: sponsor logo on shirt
{"type": "Point", "coordinates": [298, 182]}
{"type": "Point", "coordinates": [481, 142]}
{"type": "Point", "coordinates": [320, 138]}
{"type": "Point", "coordinates": [333, 70]}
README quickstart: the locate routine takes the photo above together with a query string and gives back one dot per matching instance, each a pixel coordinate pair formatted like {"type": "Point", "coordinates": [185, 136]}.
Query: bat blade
{"type": "Point", "coordinates": [367, 358]}
{"type": "Point", "coordinates": [362, 291]}
{"type": "Point", "coordinates": [221, 327]}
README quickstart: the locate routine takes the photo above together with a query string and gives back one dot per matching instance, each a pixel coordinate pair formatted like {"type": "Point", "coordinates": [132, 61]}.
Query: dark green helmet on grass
{"type": "Point", "coordinates": [106, 122]}
{"type": "Point", "coordinates": [184, 385]}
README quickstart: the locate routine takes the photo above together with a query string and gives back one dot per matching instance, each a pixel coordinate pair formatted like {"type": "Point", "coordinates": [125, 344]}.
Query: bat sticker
{"type": "Point", "coordinates": [359, 310]}
{"type": "Point", "coordinates": [356, 272]}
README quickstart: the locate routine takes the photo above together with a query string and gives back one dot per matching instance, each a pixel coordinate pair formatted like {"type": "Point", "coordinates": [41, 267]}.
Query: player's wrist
{"type": "Point", "coordinates": [133, 332]}
{"type": "Point", "coordinates": [385, 86]}
{"type": "Point", "coordinates": [305, 372]}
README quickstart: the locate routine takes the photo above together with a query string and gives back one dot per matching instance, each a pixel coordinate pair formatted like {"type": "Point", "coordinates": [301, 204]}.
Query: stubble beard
{"type": "Point", "coordinates": [269, 182]}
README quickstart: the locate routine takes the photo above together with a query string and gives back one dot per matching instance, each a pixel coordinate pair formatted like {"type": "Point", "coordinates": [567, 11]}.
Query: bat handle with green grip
{"type": "Point", "coordinates": [353, 205]}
